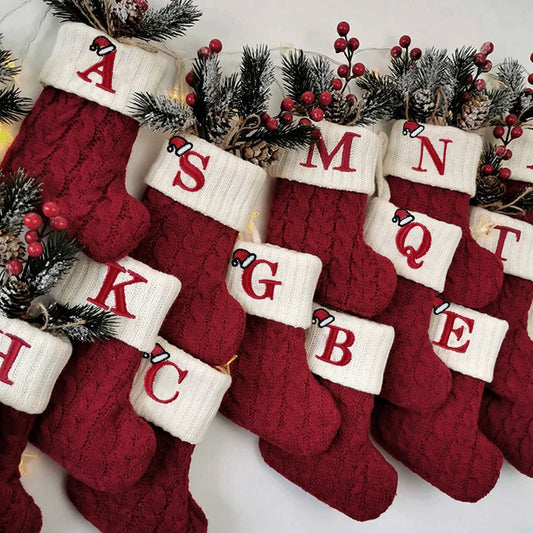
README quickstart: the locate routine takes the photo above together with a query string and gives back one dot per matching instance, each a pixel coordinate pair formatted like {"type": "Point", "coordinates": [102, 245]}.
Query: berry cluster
{"type": "Point", "coordinates": [348, 47]}
{"type": "Point", "coordinates": [37, 231]}
{"type": "Point", "coordinates": [477, 84]}
{"type": "Point", "coordinates": [285, 116]}
{"type": "Point", "coordinates": [404, 43]}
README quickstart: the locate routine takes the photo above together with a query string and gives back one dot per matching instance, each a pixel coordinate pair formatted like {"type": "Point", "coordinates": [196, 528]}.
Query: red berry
{"type": "Point", "coordinates": [487, 170]}
{"type": "Point", "coordinates": [35, 249]}
{"type": "Point", "coordinates": [466, 96]}
{"type": "Point", "coordinates": [358, 69]}
{"type": "Point", "coordinates": [480, 85]}
{"type": "Point", "coordinates": [498, 132]}
{"type": "Point", "coordinates": [479, 59]}
{"type": "Point", "coordinates": [531, 57]}
{"type": "Point", "coordinates": [528, 90]}
{"type": "Point", "coordinates": [271, 124]}
{"type": "Point", "coordinates": [287, 118]}
{"type": "Point", "coordinates": [33, 220]}
{"type": "Point", "coordinates": [404, 41]}
{"type": "Point", "coordinates": [317, 114]}
{"type": "Point", "coordinates": [504, 174]}
{"type": "Point", "coordinates": [336, 84]}
{"type": "Point", "coordinates": [351, 98]}
{"type": "Point", "coordinates": [59, 223]}
{"type": "Point", "coordinates": [308, 98]}
{"type": "Point", "coordinates": [190, 99]}
{"type": "Point", "coordinates": [508, 155]}
{"type": "Point", "coordinates": [353, 44]}
{"type": "Point", "coordinates": [50, 209]}
{"type": "Point", "coordinates": [265, 117]}
{"type": "Point", "coordinates": [343, 71]}
{"type": "Point", "coordinates": [530, 79]}
{"type": "Point", "coordinates": [343, 28]}
{"type": "Point", "coordinates": [516, 132]}
{"type": "Point", "coordinates": [14, 267]}
{"type": "Point", "coordinates": [395, 51]}
{"type": "Point", "coordinates": [325, 98]}
{"type": "Point", "coordinates": [215, 46]}
{"type": "Point", "coordinates": [189, 78]}
{"type": "Point", "coordinates": [511, 119]}
{"type": "Point", "coordinates": [287, 104]}
{"type": "Point", "coordinates": [340, 45]}
{"type": "Point", "coordinates": [31, 236]}
{"type": "Point", "coordinates": [470, 79]}
{"type": "Point", "coordinates": [305, 122]}
{"type": "Point", "coordinates": [500, 150]}
{"type": "Point", "coordinates": [416, 53]}
{"type": "Point", "coordinates": [204, 52]}
{"type": "Point", "coordinates": [487, 48]}
{"type": "Point", "coordinates": [487, 66]}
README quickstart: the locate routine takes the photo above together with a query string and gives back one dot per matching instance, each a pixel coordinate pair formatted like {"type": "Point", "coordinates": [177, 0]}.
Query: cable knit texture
{"type": "Point", "coordinates": [18, 511]}
{"type": "Point", "coordinates": [445, 447]}
{"type": "Point", "coordinates": [90, 427]}
{"type": "Point", "coordinates": [159, 502]}
{"type": "Point", "coordinates": [80, 150]}
{"type": "Point", "coordinates": [328, 223]}
{"type": "Point", "coordinates": [415, 378]}
{"type": "Point", "coordinates": [351, 476]}
{"type": "Point", "coordinates": [475, 276]}
{"type": "Point", "coordinates": [205, 320]}
{"type": "Point", "coordinates": [273, 393]}
{"type": "Point", "coordinates": [510, 426]}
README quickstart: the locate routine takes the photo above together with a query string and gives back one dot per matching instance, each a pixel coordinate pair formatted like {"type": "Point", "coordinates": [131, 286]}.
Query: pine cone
{"type": "Point", "coordinates": [217, 126]}
{"type": "Point", "coordinates": [337, 109]}
{"type": "Point", "coordinates": [126, 15]}
{"type": "Point", "coordinates": [15, 298]}
{"type": "Point", "coordinates": [474, 113]}
{"type": "Point", "coordinates": [422, 103]}
{"type": "Point", "coordinates": [258, 152]}
{"type": "Point", "coordinates": [490, 189]}
{"type": "Point", "coordinates": [11, 247]}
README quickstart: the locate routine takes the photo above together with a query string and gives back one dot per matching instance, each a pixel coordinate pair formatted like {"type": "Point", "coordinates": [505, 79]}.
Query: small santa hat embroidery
{"type": "Point", "coordinates": [158, 354]}
{"type": "Point", "coordinates": [178, 145]}
{"type": "Point", "coordinates": [402, 217]}
{"type": "Point", "coordinates": [412, 128]}
{"type": "Point", "coordinates": [322, 318]}
{"type": "Point", "coordinates": [243, 258]}
{"type": "Point", "coordinates": [102, 46]}
{"type": "Point", "coordinates": [440, 305]}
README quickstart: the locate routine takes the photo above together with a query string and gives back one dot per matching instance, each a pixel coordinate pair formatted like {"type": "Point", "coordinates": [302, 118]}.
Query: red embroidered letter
{"type": "Point", "coordinates": [410, 252]}
{"type": "Point", "coordinates": [269, 284]}
{"type": "Point", "coordinates": [504, 231]}
{"type": "Point", "coordinates": [105, 72]}
{"type": "Point", "coordinates": [194, 172]}
{"type": "Point", "coordinates": [332, 343]}
{"type": "Point", "coordinates": [346, 145]}
{"type": "Point", "coordinates": [118, 290]}
{"type": "Point", "coordinates": [9, 358]}
{"type": "Point", "coordinates": [459, 332]}
{"type": "Point", "coordinates": [439, 163]}
{"type": "Point", "coordinates": [151, 374]}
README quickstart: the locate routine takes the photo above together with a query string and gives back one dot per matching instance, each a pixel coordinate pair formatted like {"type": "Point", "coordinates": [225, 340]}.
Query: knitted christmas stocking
{"type": "Point", "coordinates": [434, 172]}
{"type": "Point", "coordinates": [30, 362]}
{"type": "Point", "coordinates": [78, 139]}
{"type": "Point", "coordinates": [319, 208]}
{"type": "Point", "coordinates": [446, 447]}
{"type": "Point", "coordinates": [349, 354]}
{"type": "Point", "coordinates": [181, 395]}
{"type": "Point", "coordinates": [274, 394]}
{"type": "Point", "coordinates": [90, 427]}
{"type": "Point", "coordinates": [421, 249]}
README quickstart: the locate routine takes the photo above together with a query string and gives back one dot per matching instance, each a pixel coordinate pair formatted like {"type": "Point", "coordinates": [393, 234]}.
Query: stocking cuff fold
{"type": "Point", "coordinates": [521, 164]}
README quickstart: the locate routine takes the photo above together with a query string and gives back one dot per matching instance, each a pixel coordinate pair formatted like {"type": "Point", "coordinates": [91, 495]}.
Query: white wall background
{"type": "Point", "coordinates": [238, 492]}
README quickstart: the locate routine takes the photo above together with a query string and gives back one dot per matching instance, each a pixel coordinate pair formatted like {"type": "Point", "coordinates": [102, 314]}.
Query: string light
{"type": "Point", "coordinates": [25, 460]}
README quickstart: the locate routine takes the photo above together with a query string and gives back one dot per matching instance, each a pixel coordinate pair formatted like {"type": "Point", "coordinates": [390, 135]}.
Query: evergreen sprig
{"type": "Point", "coordinates": [461, 72]}
{"type": "Point", "coordinates": [8, 68]}
{"type": "Point", "coordinates": [290, 136]}
{"type": "Point", "coordinates": [13, 106]}
{"type": "Point", "coordinates": [298, 74]}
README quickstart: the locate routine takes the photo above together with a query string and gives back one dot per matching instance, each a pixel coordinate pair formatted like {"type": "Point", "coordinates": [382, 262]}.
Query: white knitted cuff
{"type": "Point", "coordinates": [92, 65]}
{"type": "Point", "coordinates": [441, 156]}
{"type": "Point", "coordinates": [521, 164]}
{"type": "Point", "coordinates": [30, 363]}
{"type": "Point", "coordinates": [467, 341]}
{"type": "Point", "coordinates": [178, 392]}
{"type": "Point", "coordinates": [510, 239]}
{"type": "Point", "coordinates": [420, 248]}
{"type": "Point", "coordinates": [343, 158]}
{"type": "Point", "coordinates": [348, 350]}
{"type": "Point", "coordinates": [207, 179]}
{"type": "Point", "coordinates": [136, 294]}
{"type": "Point", "coordinates": [273, 282]}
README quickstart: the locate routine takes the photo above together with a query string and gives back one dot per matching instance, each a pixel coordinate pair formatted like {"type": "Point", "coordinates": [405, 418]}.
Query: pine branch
{"type": "Point", "coordinates": [501, 102]}
{"type": "Point", "coordinates": [257, 75]}
{"type": "Point", "coordinates": [380, 99]}
{"type": "Point", "coordinates": [12, 105]}
{"type": "Point", "coordinates": [404, 74]}
{"type": "Point", "coordinates": [461, 68]}
{"type": "Point", "coordinates": [207, 86]}
{"type": "Point", "coordinates": [19, 194]}
{"type": "Point", "coordinates": [289, 136]}
{"type": "Point", "coordinates": [229, 92]}
{"type": "Point", "coordinates": [80, 323]}
{"type": "Point", "coordinates": [297, 74]}
{"type": "Point", "coordinates": [76, 11]}
{"type": "Point", "coordinates": [322, 74]}
{"type": "Point", "coordinates": [8, 69]}
{"type": "Point", "coordinates": [172, 20]}
{"type": "Point", "coordinates": [161, 113]}
{"type": "Point", "coordinates": [434, 70]}
{"type": "Point", "coordinates": [43, 273]}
